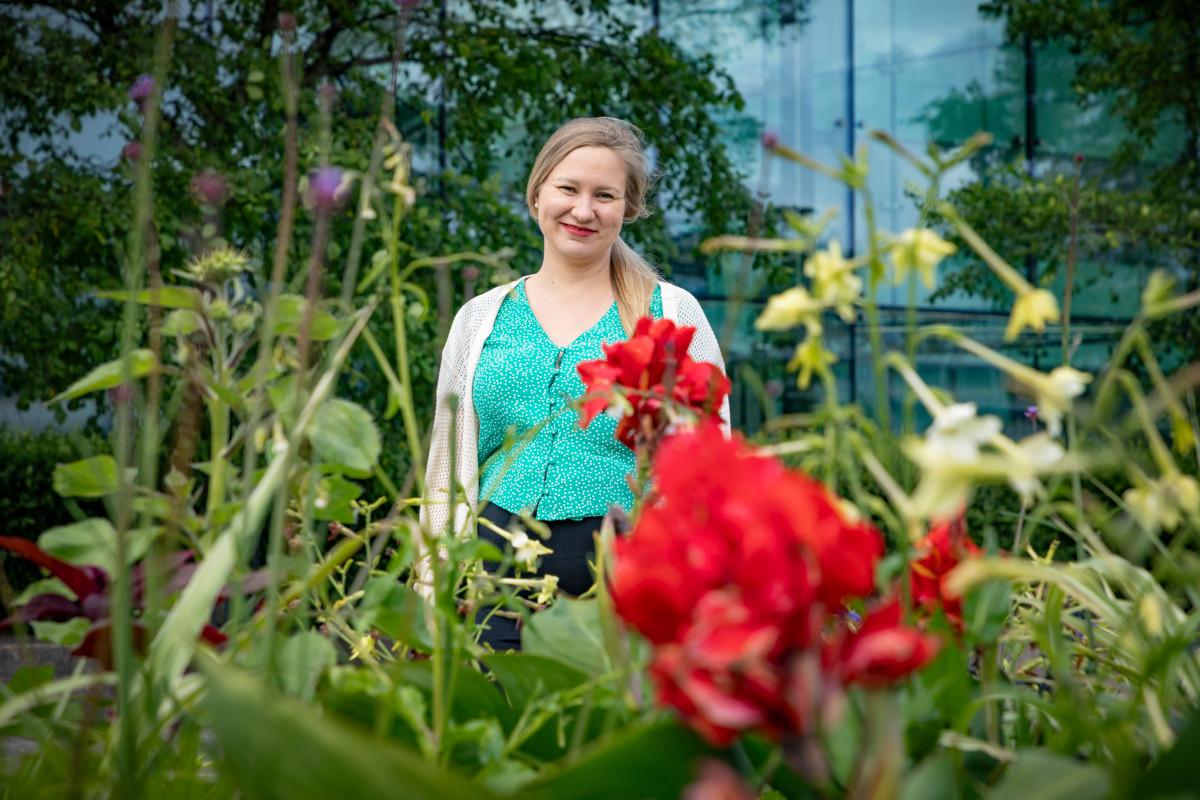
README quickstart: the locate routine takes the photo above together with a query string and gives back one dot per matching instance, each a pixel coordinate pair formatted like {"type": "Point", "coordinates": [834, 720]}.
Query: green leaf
{"type": "Point", "coordinates": [1175, 774]}
{"type": "Point", "coordinates": [44, 586]}
{"type": "Point", "coordinates": [525, 677]}
{"type": "Point", "coordinates": [302, 660]}
{"type": "Point", "coordinates": [1042, 775]}
{"type": "Point", "coordinates": [396, 611]}
{"type": "Point", "coordinates": [68, 634]}
{"type": "Point", "coordinates": [94, 541]}
{"type": "Point", "coordinates": [932, 779]}
{"type": "Point", "coordinates": [570, 632]}
{"type": "Point", "coordinates": [181, 322]}
{"type": "Point", "coordinates": [334, 499]}
{"type": "Point", "coordinates": [474, 696]}
{"type": "Point", "coordinates": [289, 315]}
{"type": "Point", "coordinates": [277, 747]}
{"type": "Point", "coordinates": [168, 297]}
{"type": "Point", "coordinates": [653, 761]}
{"type": "Point", "coordinates": [343, 433]}
{"type": "Point", "coordinates": [985, 610]}
{"type": "Point", "coordinates": [30, 677]}
{"type": "Point", "coordinates": [106, 376]}
{"type": "Point", "coordinates": [89, 477]}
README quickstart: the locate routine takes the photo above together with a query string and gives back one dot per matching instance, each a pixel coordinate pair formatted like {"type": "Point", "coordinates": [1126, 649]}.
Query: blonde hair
{"type": "Point", "coordinates": [633, 278]}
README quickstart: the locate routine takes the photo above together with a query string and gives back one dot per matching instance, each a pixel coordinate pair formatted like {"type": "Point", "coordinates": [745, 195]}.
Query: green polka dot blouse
{"type": "Point", "coordinates": [533, 456]}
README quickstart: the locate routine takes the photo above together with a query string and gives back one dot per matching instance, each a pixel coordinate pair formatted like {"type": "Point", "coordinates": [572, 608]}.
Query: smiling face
{"type": "Point", "coordinates": [581, 205]}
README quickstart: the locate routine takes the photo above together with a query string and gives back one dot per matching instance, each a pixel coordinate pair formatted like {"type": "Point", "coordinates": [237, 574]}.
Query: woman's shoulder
{"type": "Point", "coordinates": [678, 301]}
{"type": "Point", "coordinates": [481, 306]}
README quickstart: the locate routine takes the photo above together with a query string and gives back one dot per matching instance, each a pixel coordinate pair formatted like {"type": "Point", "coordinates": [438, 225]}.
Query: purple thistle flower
{"type": "Point", "coordinates": [773, 387]}
{"type": "Point", "coordinates": [1031, 413]}
{"type": "Point", "coordinates": [132, 151]}
{"type": "Point", "coordinates": [407, 3]}
{"type": "Point", "coordinates": [470, 272]}
{"type": "Point", "coordinates": [325, 191]}
{"type": "Point", "coordinates": [287, 22]}
{"type": "Point", "coordinates": [141, 89]}
{"type": "Point", "coordinates": [770, 139]}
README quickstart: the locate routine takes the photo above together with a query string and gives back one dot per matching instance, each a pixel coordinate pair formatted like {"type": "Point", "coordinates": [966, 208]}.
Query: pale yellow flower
{"type": "Point", "coordinates": [1055, 392]}
{"type": "Point", "coordinates": [527, 549]}
{"type": "Point", "coordinates": [549, 590]}
{"type": "Point", "coordinates": [945, 484]}
{"type": "Point", "coordinates": [1162, 504]}
{"type": "Point", "coordinates": [789, 309]}
{"type": "Point", "coordinates": [834, 280]}
{"type": "Point", "coordinates": [1032, 309]}
{"type": "Point", "coordinates": [810, 356]}
{"type": "Point", "coordinates": [1159, 289]}
{"type": "Point", "coordinates": [919, 249]}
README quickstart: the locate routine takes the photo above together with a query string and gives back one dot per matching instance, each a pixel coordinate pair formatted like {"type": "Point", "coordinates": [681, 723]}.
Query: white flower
{"type": "Point", "coordinates": [527, 549]}
{"type": "Point", "coordinates": [834, 280]}
{"type": "Point", "coordinates": [789, 309]}
{"type": "Point", "coordinates": [1033, 456]}
{"type": "Point", "coordinates": [1055, 392]}
{"type": "Point", "coordinates": [919, 249]}
{"type": "Point", "coordinates": [957, 433]}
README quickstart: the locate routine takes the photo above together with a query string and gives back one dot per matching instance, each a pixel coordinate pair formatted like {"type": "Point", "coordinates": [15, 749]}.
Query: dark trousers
{"type": "Point", "coordinates": [574, 545]}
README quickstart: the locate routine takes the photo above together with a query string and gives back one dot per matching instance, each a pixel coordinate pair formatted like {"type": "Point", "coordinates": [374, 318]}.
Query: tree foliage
{"type": "Point", "coordinates": [481, 84]}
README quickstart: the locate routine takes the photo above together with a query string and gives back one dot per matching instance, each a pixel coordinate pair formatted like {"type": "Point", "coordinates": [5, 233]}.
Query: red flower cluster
{"type": "Point", "coordinates": [738, 573]}
{"type": "Point", "coordinates": [652, 365]}
{"type": "Point", "coordinates": [942, 549]}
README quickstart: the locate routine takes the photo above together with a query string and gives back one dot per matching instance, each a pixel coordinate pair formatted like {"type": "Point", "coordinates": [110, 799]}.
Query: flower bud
{"type": "Point", "coordinates": [132, 151]}
{"type": "Point", "coordinates": [325, 191]}
{"type": "Point", "coordinates": [287, 22]}
{"type": "Point", "coordinates": [142, 89]}
{"type": "Point", "coordinates": [770, 140]}
{"type": "Point", "coordinates": [209, 188]}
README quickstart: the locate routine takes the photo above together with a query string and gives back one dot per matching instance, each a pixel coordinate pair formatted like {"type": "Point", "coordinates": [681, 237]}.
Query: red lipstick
{"type": "Point", "coordinates": [577, 231]}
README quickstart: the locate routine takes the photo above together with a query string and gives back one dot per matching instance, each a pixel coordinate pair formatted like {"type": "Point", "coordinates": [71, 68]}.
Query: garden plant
{"type": "Point", "coordinates": [804, 615]}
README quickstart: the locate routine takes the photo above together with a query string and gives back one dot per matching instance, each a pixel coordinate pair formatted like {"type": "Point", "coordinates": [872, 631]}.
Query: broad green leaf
{"type": "Point", "coordinates": [334, 496]}
{"type": "Point", "coordinates": [932, 779]}
{"type": "Point", "coordinates": [570, 632]}
{"type": "Point", "coordinates": [44, 586]}
{"type": "Point", "coordinates": [396, 611]}
{"type": "Point", "coordinates": [1042, 775]}
{"type": "Point", "coordinates": [302, 660]}
{"type": "Point", "coordinates": [289, 315]}
{"type": "Point", "coordinates": [88, 477]}
{"type": "Point", "coordinates": [30, 677]}
{"type": "Point", "coordinates": [277, 747]}
{"type": "Point", "coordinates": [94, 541]}
{"type": "Point", "coordinates": [108, 375]}
{"type": "Point", "coordinates": [525, 677]}
{"type": "Point", "coordinates": [168, 297]}
{"type": "Point", "coordinates": [1175, 774]}
{"type": "Point", "coordinates": [344, 433]}
{"type": "Point", "coordinates": [474, 696]}
{"type": "Point", "coordinates": [68, 634]}
{"type": "Point", "coordinates": [652, 761]}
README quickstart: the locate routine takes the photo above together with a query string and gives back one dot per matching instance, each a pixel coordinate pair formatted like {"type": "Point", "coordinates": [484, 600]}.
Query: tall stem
{"type": "Point", "coordinates": [128, 782]}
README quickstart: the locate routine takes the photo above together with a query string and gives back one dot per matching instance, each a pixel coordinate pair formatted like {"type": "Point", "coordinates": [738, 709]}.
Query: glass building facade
{"type": "Point", "coordinates": [820, 75]}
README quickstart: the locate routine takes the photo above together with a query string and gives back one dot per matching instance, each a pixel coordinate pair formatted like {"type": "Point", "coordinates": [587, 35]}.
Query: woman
{"type": "Point", "coordinates": [511, 354]}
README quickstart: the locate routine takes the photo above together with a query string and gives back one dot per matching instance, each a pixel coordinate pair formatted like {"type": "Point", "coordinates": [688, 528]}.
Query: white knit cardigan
{"type": "Point", "coordinates": [471, 327]}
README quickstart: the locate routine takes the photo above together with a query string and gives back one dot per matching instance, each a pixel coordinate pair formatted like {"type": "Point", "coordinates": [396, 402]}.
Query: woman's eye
{"type": "Point", "coordinates": [567, 189]}
{"type": "Point", "coordinates": [605, 196]}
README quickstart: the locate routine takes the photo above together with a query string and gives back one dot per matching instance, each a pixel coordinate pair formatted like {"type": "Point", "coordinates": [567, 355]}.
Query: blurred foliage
{"type": "Point", "coordinates": [28, 503]}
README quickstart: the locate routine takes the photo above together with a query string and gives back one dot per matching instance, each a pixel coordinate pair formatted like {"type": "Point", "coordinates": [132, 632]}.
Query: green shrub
{"type": "Point", "coordinates": [28, 504]}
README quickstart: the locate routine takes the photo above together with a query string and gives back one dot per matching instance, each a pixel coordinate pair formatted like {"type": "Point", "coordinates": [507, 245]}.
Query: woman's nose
{"type": "Point", "coordinates": [584, 209]}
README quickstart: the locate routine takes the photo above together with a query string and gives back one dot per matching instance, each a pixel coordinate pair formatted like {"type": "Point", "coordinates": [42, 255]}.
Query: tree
{"type": "Point", "coordinates": [481, 86]}
{"type": "Point", "coordinates": [1135, 60]}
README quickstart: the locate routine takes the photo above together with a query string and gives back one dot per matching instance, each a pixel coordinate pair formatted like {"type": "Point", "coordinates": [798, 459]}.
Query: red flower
{"type": "Point", "coordinates": [730, 571]}
{"type": "Point", "coordinates": [652, 367]}
{"type": "Point", "coordinates": [942, 549]}
{"type": "Point", "coordinates": [880, 653]}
